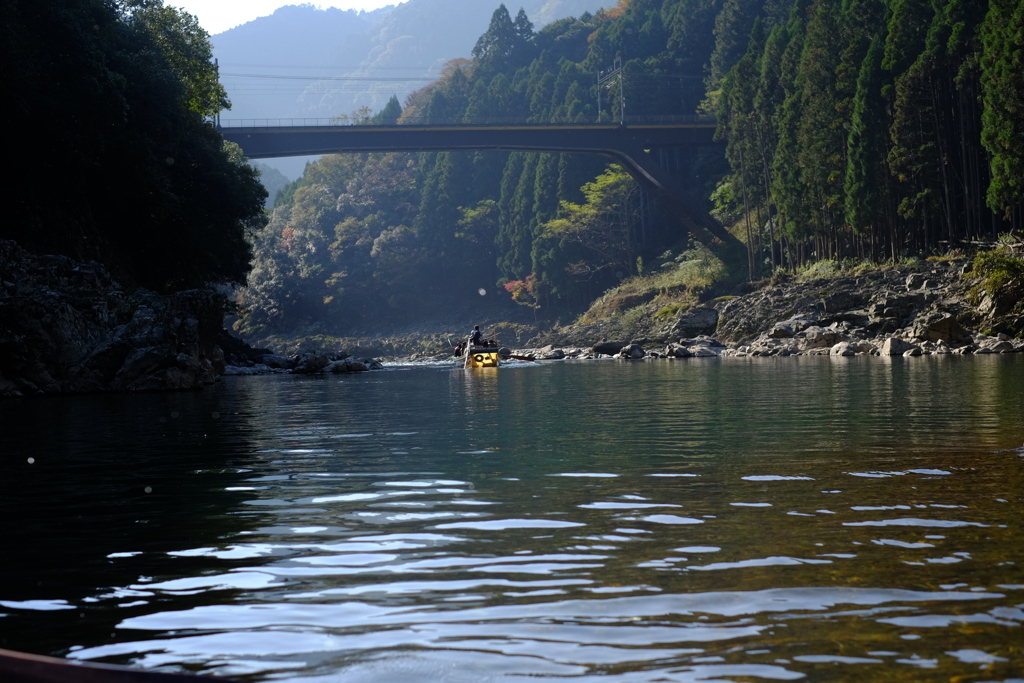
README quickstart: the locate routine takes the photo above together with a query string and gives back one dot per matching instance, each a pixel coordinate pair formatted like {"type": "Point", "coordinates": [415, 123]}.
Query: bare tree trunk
{"type": "Point", "coordinates": [746, 217]}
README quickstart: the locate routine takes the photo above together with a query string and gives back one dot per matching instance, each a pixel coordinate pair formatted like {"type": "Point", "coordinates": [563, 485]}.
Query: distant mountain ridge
{"type": "Point", "coordinates": [305, 62]}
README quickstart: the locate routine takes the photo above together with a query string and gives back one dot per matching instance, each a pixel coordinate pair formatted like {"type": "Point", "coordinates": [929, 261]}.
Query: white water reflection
{"type": "Point", "coordinates": [582, 633]}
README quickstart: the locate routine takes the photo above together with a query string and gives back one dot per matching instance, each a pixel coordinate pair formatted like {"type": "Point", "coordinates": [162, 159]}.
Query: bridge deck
{"type": "Point", "coordinates": [627, 144]}
{"type": "Point", "coordinates": [264, 142]}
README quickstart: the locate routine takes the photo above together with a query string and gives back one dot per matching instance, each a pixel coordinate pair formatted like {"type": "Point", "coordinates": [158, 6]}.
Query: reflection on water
{"type": "Point", "coordinates": [779, 519]}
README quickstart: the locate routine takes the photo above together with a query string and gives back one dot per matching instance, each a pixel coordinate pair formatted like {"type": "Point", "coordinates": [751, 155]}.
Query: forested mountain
{"type": "Point", "coordinates": [874, 128]}
{"type": "Point", "coordinates": [107, 109]}
{"type": "Point", "coordinates": [303, 61]}
{"type": "Point", "coordinates": [393, 239]}
{"type": "Point", "coordinates": [306, 62]}
{"type": "Point", "coordinates": [871, 128]}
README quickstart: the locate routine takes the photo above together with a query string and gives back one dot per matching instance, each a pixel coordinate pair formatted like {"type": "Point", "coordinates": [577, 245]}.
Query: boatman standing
{"type": "Point", "coordinates": [476, 337]}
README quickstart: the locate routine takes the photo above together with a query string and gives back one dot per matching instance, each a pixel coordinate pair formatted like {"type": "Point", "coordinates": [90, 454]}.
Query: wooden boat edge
{"type": "Point", "coordinates": [21, 667]}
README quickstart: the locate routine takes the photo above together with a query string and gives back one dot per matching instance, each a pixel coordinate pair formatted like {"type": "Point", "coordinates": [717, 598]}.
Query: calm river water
{"type": "Point", "coordinates": [737, 520]}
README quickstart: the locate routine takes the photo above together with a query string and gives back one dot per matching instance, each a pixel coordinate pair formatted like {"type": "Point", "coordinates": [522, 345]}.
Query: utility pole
{"type": "Point", "coordinates": [603, 77]}
{"type": "Point", "coordinates": [216, 67]}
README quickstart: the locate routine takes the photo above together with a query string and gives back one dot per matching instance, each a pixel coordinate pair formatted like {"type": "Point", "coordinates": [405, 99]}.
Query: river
{"type": "Point", "coordinates": [806, 518]}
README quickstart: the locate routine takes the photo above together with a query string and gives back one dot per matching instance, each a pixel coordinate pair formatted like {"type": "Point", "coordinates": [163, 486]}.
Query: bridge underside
{"type": "Point", "coordinates": [626, 144]}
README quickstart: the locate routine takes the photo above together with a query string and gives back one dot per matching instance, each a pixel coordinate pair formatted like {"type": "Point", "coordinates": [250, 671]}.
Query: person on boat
{"type": "Point", "coordinates": [476, 337]}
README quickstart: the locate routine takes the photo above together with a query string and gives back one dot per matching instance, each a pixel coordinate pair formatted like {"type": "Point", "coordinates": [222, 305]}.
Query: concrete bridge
{"type": "Point", "coordinates": [627, 144]}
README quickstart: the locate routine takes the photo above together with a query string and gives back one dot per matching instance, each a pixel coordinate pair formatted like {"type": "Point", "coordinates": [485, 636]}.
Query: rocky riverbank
{"type": "Point", "coordinates": [929, 307]}
{"type": "Point", "coordinates": [921, 308]}
{"type": "Point", "coordinates": [70, 327]}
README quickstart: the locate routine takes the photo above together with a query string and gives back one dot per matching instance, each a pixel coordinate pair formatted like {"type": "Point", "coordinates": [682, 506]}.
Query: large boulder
{"type": "Point", "coordinates": [781, 331]}
{"type": "Point", "coordinates": [894, 346]}
{"type": "Point", "coordinates": [346, 365]}
{"type": "Point", "coordinates": [632, 352]}
{"type": "Point", "coordinates": [70, 327]}
{"type": "Point", "coordinates": [678, 351]}
{"type": "Point", "coordinates": [1000, 344]}
{"type": "Point", "coordinates": [311, 363]}
{"type": "Point", "coordinates": [843, 349]}
{"type": "Point", "coordinates": [940, 326]}
{"type": "Point", "coordinates": [607, 348]}
{"type": "Point", "coordinates": [550, 352]}
{"type": "Point", "coordinates": [702, 340]}
{"type": "Point", "coordinates": [695, 322]}
{"type": "Point", "coordinates": [277, 362]}
{"type": "Point", "coordinates": [816, 337]}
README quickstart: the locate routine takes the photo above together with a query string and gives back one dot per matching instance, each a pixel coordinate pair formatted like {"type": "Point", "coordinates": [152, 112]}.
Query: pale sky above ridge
{"type": "Point", "coordinates": [219, 15]}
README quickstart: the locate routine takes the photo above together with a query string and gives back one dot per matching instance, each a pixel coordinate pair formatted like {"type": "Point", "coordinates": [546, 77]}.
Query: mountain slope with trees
{"type": "Point", "coordinates": [875, 128]}
{"type": "Point", "coordinates": [872, 129]}
{"type": "Point", "coordinates": [303, 61]}
{"type": "Point", "coordinates": [126, 206]}
{"type": "Point", "coordinates": [117, 161]}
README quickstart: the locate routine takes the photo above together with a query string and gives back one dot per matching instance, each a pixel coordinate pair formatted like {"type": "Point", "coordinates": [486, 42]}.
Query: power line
{"type": "Point", "coordinates": [337, 67]}
{"type": "Point", "coordinates": [398, 79]}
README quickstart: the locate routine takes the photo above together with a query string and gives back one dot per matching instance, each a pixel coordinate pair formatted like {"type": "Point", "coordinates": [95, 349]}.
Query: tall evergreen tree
{"type": "Point", "coordinates": [867, 173]}
{"type": "Point", "coordinates": [506, 45]}
{"type": "Point", "coordinates": [820, 131]}
{"type": "Point", "coordinates": [1002, 65]}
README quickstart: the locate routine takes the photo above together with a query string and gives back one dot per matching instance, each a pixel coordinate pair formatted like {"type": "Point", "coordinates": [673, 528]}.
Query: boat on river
{"type": "Point", "coordinates": [481, 357]}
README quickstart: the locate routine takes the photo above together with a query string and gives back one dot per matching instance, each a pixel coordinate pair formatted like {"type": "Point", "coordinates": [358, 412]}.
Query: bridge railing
{"type": "Point", "coordinates": [635, 120]}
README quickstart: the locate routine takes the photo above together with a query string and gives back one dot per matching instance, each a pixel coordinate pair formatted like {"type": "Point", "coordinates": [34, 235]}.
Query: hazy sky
{"type": "Point", "coordinates": [220, 15]}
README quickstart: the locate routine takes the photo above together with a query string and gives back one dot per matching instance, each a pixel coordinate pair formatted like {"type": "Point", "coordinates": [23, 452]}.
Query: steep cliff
{"type": "Point", "coordinates": [68, 326]}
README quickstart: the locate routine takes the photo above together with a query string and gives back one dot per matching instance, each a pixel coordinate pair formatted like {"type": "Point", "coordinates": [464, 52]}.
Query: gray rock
{"type": "Point", "coordinates": [939, 326]}
{"type": "Point", "coordinates": [69, 327]}
{"type": "Point", "coordinates": [632, 351]}
{"type": "Point", "coordinates": [800, 323]}
{"type": "Point", "coordinates": [894, 346]}
{"type": "Point", "coordinates": [311, 363]}
{"type": "Point", "coordinates": [677, 351]}
{"type": "Point", "coordinates": [820, 337]}
{"type": "Point", "coordinates": [843, 349]}
{"type": "Point", "coordinates": [552, 353]}
{"type": "Point", "coordinates": [607, 348]}
{"type": "Point", "coordinates": [272, 360]}
{"type": "Point", "coordinates": [995, 345]}
{"type": "Point", "coordinates": [702, 340]}
{"type": "Point", "coordinates": [781, 331]}
{"type": "Point", "coordinates": [696, 321]}
{"type": "Point", "coordinates": [346, 365]}
{"type": "Point", "coordinates": [916, 281]}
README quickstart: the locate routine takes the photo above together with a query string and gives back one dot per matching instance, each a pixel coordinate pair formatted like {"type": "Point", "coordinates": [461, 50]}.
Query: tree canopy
{"type": "Point", "coordinates": [116, 157]}
{"type": "Point", "coordinates": [863, 128]}
{"type": "Point", "coordinates": [879, 128]}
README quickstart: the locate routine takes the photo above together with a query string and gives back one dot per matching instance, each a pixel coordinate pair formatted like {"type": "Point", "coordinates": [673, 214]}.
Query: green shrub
{"type": "Point", "coordinates": [997, 269]}
{"type": "Point", "coordinates": [671, 310]}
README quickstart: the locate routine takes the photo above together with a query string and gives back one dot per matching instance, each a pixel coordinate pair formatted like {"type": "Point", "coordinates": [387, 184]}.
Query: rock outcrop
{"type": "Point", "coordinates": [889, 312]}
{"type": "Point", "coordinates": [69, 327]}
{"type": "Point", "coordinates": [922, 309]}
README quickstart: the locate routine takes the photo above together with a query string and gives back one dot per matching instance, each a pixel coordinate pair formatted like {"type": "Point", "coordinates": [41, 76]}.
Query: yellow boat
{"type": "Point", "coordinates": [482, 357]}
